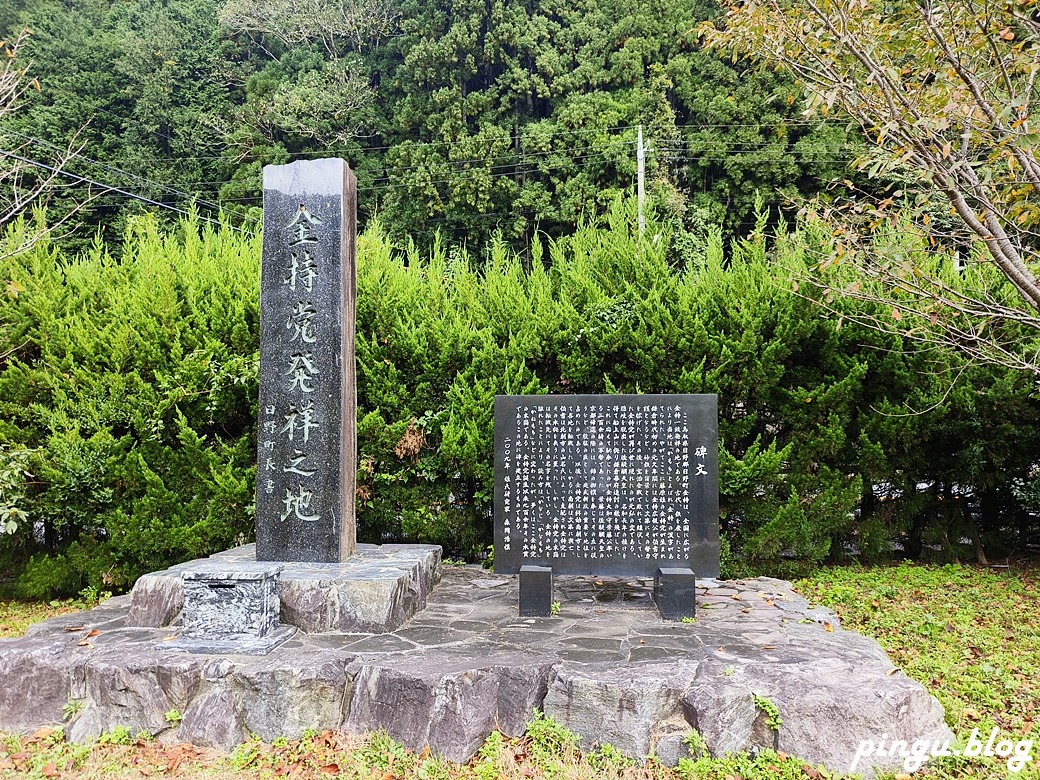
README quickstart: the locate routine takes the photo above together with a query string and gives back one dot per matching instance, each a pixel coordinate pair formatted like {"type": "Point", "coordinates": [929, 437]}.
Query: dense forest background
{"type": "Point", "coordinates": [495, 147]}
{"type": "Point", "coordinates": [467, 119]}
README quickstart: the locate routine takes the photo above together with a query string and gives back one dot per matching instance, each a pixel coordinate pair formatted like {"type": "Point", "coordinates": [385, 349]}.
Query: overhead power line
{"type": "Point", "coordinates": [522, 163]}
{"type": "Point", "coordinates": [119, 172]}
{"type": "Point", "coordinates": [109, 188]}
{"type": "Point", "coordinates": [512, 139]}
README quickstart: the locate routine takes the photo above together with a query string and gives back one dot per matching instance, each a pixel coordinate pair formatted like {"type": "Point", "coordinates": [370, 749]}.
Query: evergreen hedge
{"type": "Point", "coordinates": [128, 397]}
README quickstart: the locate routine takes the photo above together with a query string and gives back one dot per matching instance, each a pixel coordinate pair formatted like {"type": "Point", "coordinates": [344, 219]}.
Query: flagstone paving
{"type": "Point", "coordinates": [606, 666]}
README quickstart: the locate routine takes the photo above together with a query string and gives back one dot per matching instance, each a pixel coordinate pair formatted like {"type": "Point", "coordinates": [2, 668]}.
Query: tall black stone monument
{"type": "Point", "coordinates": [307, 442]}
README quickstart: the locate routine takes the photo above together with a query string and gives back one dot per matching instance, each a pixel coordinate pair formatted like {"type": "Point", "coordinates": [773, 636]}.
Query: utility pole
{"type": "Point", "coordinates": [640, 181]}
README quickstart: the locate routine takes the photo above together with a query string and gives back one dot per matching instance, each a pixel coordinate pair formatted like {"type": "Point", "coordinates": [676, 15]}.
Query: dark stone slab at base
{"type": "Point", "coordinates": [606, 666]}
{"type": "Point", "coordinates": [230, 644]}
{"type": "Point", "coordinates": [376, 590]}
{"type": "Point", "coordinates": [674, 592]}
{"type": "Point", "coordinates": [536, 591]}
{"type": "Point", "coordinates": [449, 700]}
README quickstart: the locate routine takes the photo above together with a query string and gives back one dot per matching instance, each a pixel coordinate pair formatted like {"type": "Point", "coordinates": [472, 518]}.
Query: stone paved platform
{"type": "Point", "coordinates": [606, 666]}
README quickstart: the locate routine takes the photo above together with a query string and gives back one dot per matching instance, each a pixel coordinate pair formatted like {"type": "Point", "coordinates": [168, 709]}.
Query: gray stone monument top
{"type": "Point", "coordinates": [307, 442]}
{"type": "Point", "coordinates": [307, 177]}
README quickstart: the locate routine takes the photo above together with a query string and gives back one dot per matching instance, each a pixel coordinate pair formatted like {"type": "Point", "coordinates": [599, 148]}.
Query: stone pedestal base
{"type": "Point", "coordinates": [374, 591]}
{"type": "Point", "coordinates": [606, 667]}
{"type": "Point", "coordinates": [230, 644]}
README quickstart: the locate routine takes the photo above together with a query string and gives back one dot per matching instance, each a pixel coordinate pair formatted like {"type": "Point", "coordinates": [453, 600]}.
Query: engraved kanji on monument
{"type": "Point", "coordinates": [608, 485]}
{"type": "Point", "coordinates": [307, 438]}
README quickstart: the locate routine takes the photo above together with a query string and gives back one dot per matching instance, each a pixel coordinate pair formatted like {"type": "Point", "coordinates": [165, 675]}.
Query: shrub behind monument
{"type": "Point", "coordinates": [134, 382]}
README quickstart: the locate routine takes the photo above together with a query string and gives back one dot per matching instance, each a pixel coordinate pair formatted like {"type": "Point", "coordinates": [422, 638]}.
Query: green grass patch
{"type": "Point", "coordinates": [970, 634]}
{"type": "Point", "coordinates": [18, 615]}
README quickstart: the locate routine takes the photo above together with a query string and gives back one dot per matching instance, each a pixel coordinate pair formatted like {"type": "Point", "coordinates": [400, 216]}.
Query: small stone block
{"type": "Point", "coordinates": [536, 591]}
{"type": "Point", "coordinates": [211, 569]}
{"type": "Point", "coordinates": [231, 602]}
{"type": "Point", "coordinates": [675, 591]}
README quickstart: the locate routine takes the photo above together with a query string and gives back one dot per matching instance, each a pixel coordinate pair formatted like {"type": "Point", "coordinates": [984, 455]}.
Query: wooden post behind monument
{"type": "Point", "coordinates": [307, 438]}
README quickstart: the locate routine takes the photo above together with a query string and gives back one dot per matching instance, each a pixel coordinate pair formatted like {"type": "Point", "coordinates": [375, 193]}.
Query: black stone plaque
{"type": "Point", "coordinates": [607, 484]}
{"type": "Point", "coordinates": [307, 442]}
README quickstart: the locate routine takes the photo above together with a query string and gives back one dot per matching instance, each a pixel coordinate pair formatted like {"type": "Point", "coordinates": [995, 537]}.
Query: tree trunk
{"type": "Point", "coordinates": [947, 514]}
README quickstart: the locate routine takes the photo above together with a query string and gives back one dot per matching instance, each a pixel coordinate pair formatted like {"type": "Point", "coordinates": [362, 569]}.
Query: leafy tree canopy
{"type": "Point", "coordinates": [468, 119]}
{"type": "Point", "coordinates": [944, 92]}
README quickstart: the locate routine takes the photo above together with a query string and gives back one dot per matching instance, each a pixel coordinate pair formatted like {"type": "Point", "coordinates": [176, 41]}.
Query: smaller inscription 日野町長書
{"type": "Point", "coordinates": [607, 484]}
{"type": "Point", "coordinates": [307, 438]}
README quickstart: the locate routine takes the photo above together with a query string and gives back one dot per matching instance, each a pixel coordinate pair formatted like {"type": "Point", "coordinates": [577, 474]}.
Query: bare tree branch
{"type": "Point", "coordinates": [26, 183]}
